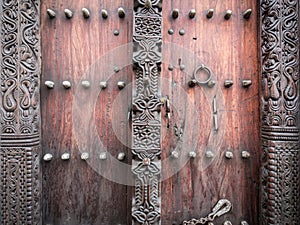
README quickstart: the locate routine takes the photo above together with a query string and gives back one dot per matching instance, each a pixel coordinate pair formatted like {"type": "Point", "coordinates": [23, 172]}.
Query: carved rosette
{"type": "Point", "coordinates": [146, 116]}
{"type": "Point", "coordinates": [19, 112]}
{"type": "Point", "coordinates": [280, 173]}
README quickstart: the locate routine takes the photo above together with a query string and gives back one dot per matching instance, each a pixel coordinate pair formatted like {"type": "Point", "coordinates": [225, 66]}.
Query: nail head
{"type": "Point", "coordinates": [51, 13]}
{"type": "Point", "coordinates": [68, 13]}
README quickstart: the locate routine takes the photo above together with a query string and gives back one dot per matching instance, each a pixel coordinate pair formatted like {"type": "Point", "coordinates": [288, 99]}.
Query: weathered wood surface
{"type": "Point", "coordinates": [73, 193]}
{"type": "Point", "coordinates": [230, 50]}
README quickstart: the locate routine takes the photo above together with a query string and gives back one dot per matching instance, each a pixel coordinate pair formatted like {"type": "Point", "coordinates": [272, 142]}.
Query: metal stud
{"type": "Point", "coordinates": [65, 156]}
{"type": "Point", "coordinates": [66, 84]}
{"type": "Point", "coordinates": [228, 155]}
{"type": "Point", "coordinates": [103, 84]}
{"type": "Point", "coordinates": [228, 14]}
{"type": "Point", "coordinates": [146, 161]}
{"type": "Point", "coordinates": [192, 83]}
{"type": "Point", "coordinates": [244, 222]}
{"type": "Point", "coordinates": [227, 222]}
{"type": "Point", "coordinates": [116, 32]}
{"type": "Point", "coordinates": [171, 31]}
{"type": "Point", "coordinates": [49, 84]}
{"type": "Point", "coordinates": [121, 84]}
{"type": "Point", "coordinates": [210, 13]}
{"type": "Point", "coordinates": [211, 83]}
{"type": "Point", "coordinates": [121, 156]}
{"type": "Point", "coordinates": [104, 13]}
{"type": "Point", "coordinates": [175, 13]}
{"type": "Point", "coordinates": [247, 14]}
{"type": "Point", "coordinates": [85, 83]}
{"type": "Point", "coordinates": [192, 154]}
{"type": "Point", "coordinates": [181, 32]}
{"type": "Point", "coordinates": [85, 13]}
{"type": "Point", "coordinates": [48, 157]}
{"type": "Point", "coordinates": [84, 156]}
{"type": "Point", "coordinates": [210, 223]}
{"type": "Point", "coordinates": [121, 12]}
{"type": "Point", "coordinates": [228, 83]}
{"type": "Point", "coordinates": [51, 13]}
{"type": "Point", "coordinates": [116, 69]}
{"type": "Point", "coordinates": [209, 154]}
{"type": "Point", "coordinates": [246, 83]}
{"type": "Point", "coordinates": [171, 67]}
{"type": "Point", "coordinates": [68, 13]}
{"type": "Point", "coordinates": [245, 155]}
{"type": "Point", "coordinates": [192, 13]}
{"type": "Point", "coordinates": [103, 156]}
{"type": "Point", "coordinates": [175, 154]}
{"type": "Point", "coordinates": [182, 67]}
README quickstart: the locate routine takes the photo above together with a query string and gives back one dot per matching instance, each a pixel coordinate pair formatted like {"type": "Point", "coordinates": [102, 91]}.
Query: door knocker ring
{"type": "Point", "coordinates": [209, 82]}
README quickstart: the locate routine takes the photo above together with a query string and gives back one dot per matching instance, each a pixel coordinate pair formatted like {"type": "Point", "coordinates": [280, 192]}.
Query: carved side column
{"type": "Point", "coordinates": [146, 116]}
{"type": "Point", "coordinates": [19, 112]}
{"type": "Point", "coordinates": [280, 201]}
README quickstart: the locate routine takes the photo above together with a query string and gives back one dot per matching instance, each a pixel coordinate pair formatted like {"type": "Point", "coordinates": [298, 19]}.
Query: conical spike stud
{"type": "Point", "coordinates": [85, 13]}
{"type": "Point", "coordinates": [68, 13]}
{"type": "Point", "coordinates": [247, 14]}
{"type": "Point", "coordinates": [121, 12]}
{"type": "Point", "coordinates": [51, 13]}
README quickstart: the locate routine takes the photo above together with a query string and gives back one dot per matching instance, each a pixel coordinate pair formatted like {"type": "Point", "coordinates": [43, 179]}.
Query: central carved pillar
{"type": "Point", "coordinates": [146, 116]}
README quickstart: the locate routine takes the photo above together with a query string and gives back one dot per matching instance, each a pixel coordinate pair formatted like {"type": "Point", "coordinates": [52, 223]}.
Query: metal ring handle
{"type": "Point", "coordinates": [206, 69]}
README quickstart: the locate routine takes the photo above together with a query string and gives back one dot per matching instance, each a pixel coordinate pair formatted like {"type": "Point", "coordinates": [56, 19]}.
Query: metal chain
{"type": "Point", "coordinates": [222, 207]}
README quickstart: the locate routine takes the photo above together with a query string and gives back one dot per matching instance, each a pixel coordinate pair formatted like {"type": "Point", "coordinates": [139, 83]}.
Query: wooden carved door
{"type": "Point", "coordinates": [149, 112]}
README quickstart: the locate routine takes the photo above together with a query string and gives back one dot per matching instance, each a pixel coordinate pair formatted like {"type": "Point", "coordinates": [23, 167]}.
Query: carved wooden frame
{"type": "Point", "coordinates": [20, 112]}
{"type": "Point", "coordinates": [280, 176]}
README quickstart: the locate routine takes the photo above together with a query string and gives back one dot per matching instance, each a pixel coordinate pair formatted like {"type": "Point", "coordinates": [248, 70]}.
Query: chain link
{"type": "Point", "coordinates": [222, 207]}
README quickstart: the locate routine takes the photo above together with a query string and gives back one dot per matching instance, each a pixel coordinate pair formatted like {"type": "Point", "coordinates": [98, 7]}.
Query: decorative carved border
{"type": "Point", "coordinates": [146, 116]}
{"type": "Point", "coordinates": [280, 175]}
{"type": "Point", "coordinates": [20, 112]}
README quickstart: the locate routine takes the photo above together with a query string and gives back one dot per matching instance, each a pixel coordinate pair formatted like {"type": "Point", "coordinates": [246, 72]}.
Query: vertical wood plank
{"type": "Point", "coordinates": [76, 191]}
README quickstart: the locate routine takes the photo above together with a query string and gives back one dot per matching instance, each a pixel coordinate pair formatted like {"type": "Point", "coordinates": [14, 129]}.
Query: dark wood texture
{"type": "Point", "coordinates": [230, 49]}
{"type": "Point", "coordinates": [73, 193]}
{"type": "Point", "coordinates": [20, 64]}
{"type": "Point", "coordinates": [280, 119]}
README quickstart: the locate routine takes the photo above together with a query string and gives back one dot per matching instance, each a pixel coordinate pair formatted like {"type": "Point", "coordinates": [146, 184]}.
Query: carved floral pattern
{"type": "Point", "coordinates": [146, 117]}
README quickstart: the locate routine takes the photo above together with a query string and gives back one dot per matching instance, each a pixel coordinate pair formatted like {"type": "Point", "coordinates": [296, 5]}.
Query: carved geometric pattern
{"type": "Point", "coordinates": [280, 173]}
{"type": "Point", "coordinates": [147, 26]}
{"type": "Point", "coordinates": [19, 184]}
{"type": "Point", "coordinates": [146, 137]}
{"type": "Point", "coordinates": [19, 112]}
{"type": "Point", "coordinates": [280, 183]}
{"type": "Point", "coordinates": [146, 116]}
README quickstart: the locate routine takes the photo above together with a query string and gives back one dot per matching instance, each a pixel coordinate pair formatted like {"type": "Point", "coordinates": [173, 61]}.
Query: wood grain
{"type": "Point", "coordinates": [73, 193]}
{"type": "Point", "coordinates": [229, 49]}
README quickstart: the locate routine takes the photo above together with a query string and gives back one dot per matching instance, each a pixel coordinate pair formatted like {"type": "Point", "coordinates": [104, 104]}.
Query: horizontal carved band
{"type": "Point", "coordinates": [19, 140]}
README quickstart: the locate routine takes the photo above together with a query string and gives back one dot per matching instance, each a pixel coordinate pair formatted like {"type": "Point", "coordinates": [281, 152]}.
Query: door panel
{"type": "Point", "coordinates": [229, 48]}
{"type": "Point", "coordinates": [76, 191]}
{"type": "Point", "coordinates": [73, 191]}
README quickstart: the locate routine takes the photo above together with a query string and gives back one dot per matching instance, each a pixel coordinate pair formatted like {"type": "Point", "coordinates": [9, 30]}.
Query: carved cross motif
{"type": "Point", "coordinates": [146, 118]}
